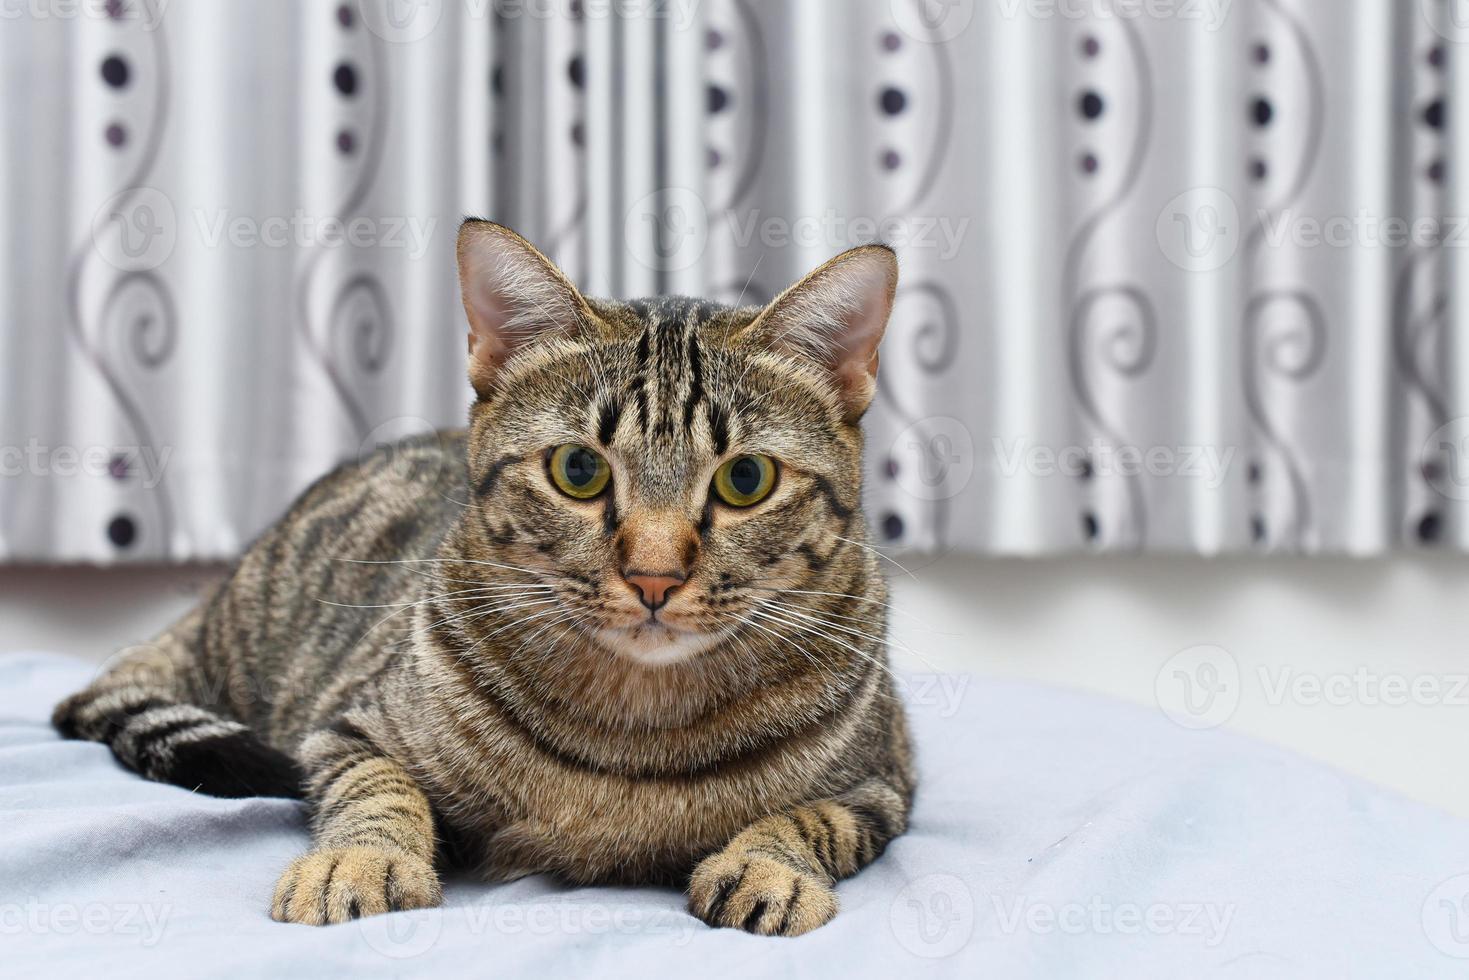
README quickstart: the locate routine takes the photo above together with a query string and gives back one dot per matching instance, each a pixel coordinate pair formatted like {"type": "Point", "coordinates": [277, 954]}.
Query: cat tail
{"type": "Point", "coordinates": [140, 710]}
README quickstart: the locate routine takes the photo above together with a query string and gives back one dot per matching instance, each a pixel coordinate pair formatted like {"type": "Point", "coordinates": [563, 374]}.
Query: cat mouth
{"type": "Point", "coordinates": [655, 642]}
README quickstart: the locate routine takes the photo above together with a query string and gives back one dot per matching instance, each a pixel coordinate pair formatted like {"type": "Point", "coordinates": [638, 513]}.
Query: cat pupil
{"type": "Point", "coordinates": [744, 475]}
{"type": "Point", "coordinates": [581, 467]}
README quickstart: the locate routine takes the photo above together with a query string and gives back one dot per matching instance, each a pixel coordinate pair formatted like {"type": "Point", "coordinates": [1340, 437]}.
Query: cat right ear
{"type": "Point", "coordinates": [513, 295]}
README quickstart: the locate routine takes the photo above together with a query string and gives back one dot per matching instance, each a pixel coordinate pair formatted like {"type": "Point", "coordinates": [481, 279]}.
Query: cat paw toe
{"type": "Point", "coordinates": [760, 894]}
{"type": "Point", "coordinates": [340, 884]}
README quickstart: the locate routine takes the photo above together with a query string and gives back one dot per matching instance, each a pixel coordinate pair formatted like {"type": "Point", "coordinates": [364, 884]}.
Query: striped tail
{"type": "Point", "coordinates": [182, 744]}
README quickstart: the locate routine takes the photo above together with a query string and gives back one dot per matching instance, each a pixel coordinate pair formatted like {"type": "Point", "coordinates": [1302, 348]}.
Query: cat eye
{"type": "Point", "coordinates": [578, 471]}
{"type": "Point", "coordinates": [745, 480]}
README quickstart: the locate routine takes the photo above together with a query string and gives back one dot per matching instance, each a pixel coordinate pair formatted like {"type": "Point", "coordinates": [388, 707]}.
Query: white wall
{"type": "Point", "coordinates": [1107, 625]}
{"type": "Point", "coordinates": [1111, 625]}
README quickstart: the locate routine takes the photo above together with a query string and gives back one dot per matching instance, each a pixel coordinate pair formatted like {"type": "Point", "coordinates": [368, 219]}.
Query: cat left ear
{"type": "Point", "coordinates": [836, 317]}
{"type": "Point", "coordinates": [513, 296]}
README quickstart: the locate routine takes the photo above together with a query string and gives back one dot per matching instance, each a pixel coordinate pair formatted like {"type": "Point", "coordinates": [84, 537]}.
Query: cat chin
{"type": "Point", "coordinates": [654, 644]}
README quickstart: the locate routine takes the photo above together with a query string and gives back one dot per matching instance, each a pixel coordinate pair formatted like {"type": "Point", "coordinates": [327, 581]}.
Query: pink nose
{"type": "Point", "coordinates": [653, 589]}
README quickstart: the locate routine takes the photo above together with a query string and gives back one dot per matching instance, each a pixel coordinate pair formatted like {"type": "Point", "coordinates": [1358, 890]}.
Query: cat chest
{"type": "Point", "coordinates": [529, 811]}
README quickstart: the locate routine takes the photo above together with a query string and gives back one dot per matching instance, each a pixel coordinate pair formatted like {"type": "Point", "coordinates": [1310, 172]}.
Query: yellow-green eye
{"type": "Point", "coordinates": [578, 471]}
{"type": "Point", "coordinates": [745, 480]}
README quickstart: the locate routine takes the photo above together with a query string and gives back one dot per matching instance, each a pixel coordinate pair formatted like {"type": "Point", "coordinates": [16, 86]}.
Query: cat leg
{"type": "Point", "coordinates": [775, 877]}
{"type": "Point", "coordinates": [373, 830]}
{"type": "Point", "coordinates": [142, 708]}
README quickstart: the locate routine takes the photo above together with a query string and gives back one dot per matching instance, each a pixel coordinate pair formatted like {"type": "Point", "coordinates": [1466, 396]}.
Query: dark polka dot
{"type": "Point", "coordinates": [576, 9]}
{"type": "Point", "coordinates": [891, 41]}
{"type": "Point", "coordinates": [892, 100]}
{"type": "Point", "coordinates": [1433, 114]}
{"type": "Point", "coordinates": [1261, 53]}
{"type": "Point", "coordinates": [713, 40]}
{"type": "Point", "coordinates": [121, 531]}
{"type": "Point", "coordinates": [1257, 529]}
{"type": "Point", "coordinates": [344, 15]}
{"type": "Point", "coordinates": [115, 9]}
{"type": "Point", "coordinates": [717, 99]}
{"type": "Point", "coordinates": [713, 157]}
{"type": "Point", "coordinates": [1433, 471]}
{"type": "Point", "coordinates": [1089, 163]}
{"type": "Point", "coordinates": [576, 71]}
{"type": "Point", "coordinates": [116, 134]}
{"type": "Point", "coordinates": [1090, 47]}
{"type": "Point", "coordinates": [578, 133]}
{"type": "Point", "coordinates": [118, 468]}
{"type": "Point", "coordinates": [1255, 472]}
{"type": "Point", "coordinates": [891, 160]}
{"type": "Point", "coordinates": [1087, 472]}
{"type": "Point", "coordinates": [1435, 172]}
{"type": "Point", "coordinates": [115, 71]}
{"type": "Point", "coordinates": [1261, 111]}
{"type": "Point", "coordinates": [346, 142]}
{"type": "Point", "coordinates": [497, 143]}
{"type": "Point", "coordinates": [1259, 169]}
{"type": "Point", "coordinates": [1090, 526]}
{"type": "Point", "coordinates": [1430, 528]}
{"type": "Point", "coordinates": [1436, 56]}
{"type": "Point", "coordinates": [892, 527]}
{"type": "Point", "coordinates": [345, 79]}
{"type": "Point", "coordinates": [890, 468]}
{"type": "Point", "coordinates": [1090, 105]}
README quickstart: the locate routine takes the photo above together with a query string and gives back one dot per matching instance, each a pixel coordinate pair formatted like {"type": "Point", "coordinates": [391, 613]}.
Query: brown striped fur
{"type": "Point", "coordinates": [439, 650]}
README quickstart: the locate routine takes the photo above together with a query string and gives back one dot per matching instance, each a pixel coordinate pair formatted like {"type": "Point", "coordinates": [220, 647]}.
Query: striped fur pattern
{"type": "Point", "coordinates": [439, 650]}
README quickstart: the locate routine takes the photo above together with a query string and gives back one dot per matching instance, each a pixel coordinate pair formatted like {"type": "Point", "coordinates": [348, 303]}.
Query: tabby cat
{"type": "Point", "coordinates": [623, 629]}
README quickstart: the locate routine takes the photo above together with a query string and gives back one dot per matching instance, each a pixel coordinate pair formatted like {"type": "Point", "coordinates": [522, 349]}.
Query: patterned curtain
{"type": "Point", "coordinates": [1176, 273]}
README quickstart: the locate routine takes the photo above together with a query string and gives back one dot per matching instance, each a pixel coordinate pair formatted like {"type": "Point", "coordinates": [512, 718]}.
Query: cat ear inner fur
{"type": "Point", "coordinates": [836, 317]}
{"type": "Point", "coordinates": [513, 296]}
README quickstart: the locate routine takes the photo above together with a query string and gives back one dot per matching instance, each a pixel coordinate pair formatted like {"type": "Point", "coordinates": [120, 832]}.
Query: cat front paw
{"type": "Point", "coordinates": [340, 884]}
{"type": "Point", "coordinates": [760, 894]}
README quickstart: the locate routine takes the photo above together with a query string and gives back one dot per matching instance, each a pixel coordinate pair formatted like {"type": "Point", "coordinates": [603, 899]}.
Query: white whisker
{"type": "Point", "coordinates": [848, 630]}
{"type": "Point", "coordinates": [873, 551]}
{"type": "Point", "coordinates": [874, 660]}
{"type": "Point", "coordinates": [429, 561]}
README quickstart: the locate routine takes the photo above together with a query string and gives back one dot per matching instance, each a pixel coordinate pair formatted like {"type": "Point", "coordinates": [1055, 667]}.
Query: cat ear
{"type": "Point", "coordinates": [836, 317]}
{"type": "Point", "coordinates": [513, 295]}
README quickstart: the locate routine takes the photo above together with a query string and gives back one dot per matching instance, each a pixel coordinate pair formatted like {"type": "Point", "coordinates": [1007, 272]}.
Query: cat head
{"type": "Point", "coordinates": [668, 467]}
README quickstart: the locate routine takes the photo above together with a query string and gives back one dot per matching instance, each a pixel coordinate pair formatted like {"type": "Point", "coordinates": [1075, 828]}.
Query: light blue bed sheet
{"type": "Point", "coordinates": [1055, 834]}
